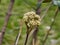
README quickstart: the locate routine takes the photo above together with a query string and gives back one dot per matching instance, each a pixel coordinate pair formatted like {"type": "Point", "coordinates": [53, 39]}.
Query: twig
{"type": "Point", "coordinates": [33, 42]}
{"type": "Point", "coordinates": [26, 39]}
{"type": "Point", "coordinates": [46, 36]}
{"type": "Point", "coordinates": [38, 10]}
{"type": "Point", "coordinates": [28, 32]}
{"type": "Point", "coordinates": [31, 33]}
{"type": "Point", "coordinates": [6, 21]}
{"type": "Point", "coordinates": [46, 11]}
{"type": "Point", "coordinates": [19, 33]}
{"type": "Point", "coordinates": [26, 35]}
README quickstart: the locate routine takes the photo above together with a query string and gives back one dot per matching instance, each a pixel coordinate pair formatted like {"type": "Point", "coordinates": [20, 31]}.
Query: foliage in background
{"type": "Point", "coordinates": [21, 7]}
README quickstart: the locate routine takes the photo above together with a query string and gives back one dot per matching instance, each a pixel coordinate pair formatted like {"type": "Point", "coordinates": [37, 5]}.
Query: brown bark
{"type": "Point", "coordinates": [27, 34]}
{"type": "Point", "coordinates": [6, 21]}
{"type": "Point", "coordinates": [38, 10]}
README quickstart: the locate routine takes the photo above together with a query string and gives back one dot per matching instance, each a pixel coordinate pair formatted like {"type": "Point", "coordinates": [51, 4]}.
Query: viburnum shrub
{"type": "Point", "coordinates": [31, 19]}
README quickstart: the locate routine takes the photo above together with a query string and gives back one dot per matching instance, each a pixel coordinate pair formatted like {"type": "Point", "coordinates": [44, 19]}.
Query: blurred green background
{"type": "Point", "coordinates": [20, 7]}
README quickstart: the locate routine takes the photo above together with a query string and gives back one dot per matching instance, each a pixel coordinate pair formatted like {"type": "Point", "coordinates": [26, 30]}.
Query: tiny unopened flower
{"type": "Point", "coordinates": [38, 22]}
{"type": "Point", "coordinates": [30, 13]}
{"type": "Point", "coordinates": [37, 16]}
{"type": "Point", "coordinates": [28, 25]}
{"type": "Point", "coordinates": [31, 16]}
{"type": "Point", "coordinates": [25, 18]}
{"type": "Point", "coordinates": [34, 23]}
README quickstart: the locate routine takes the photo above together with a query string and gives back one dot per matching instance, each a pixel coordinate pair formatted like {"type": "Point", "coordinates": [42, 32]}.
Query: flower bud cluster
{"type": "Point", "coordinates": [32, 19]}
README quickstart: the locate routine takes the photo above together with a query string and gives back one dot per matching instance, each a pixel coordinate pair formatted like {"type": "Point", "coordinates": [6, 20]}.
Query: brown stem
{"type": "Point", "coordinates": [6, 21]}
{"type": "Point", "coordinates": [46, 36]}
{"type": "Point", "coordinates": [19, 33]}
{"type": "Point", "coordinates": [26, 39]}
{"type": "Point", "coordinates": [46, 11]}
{"type": "Point", "coordinates": [38, 10]}
{"type": "Point", "coordinates": [17, 37]}
{"type": "Point", "coordinates": [35, 35]}
{"type": "Point", "coordinates": [26, 34]}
